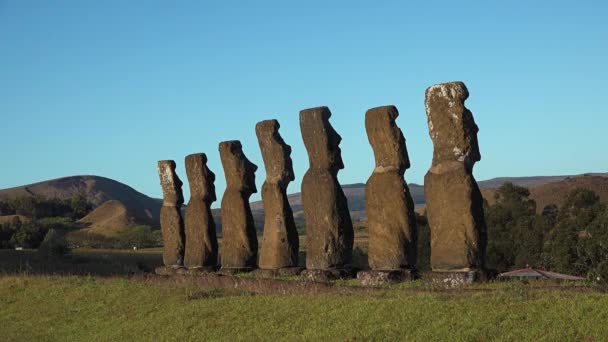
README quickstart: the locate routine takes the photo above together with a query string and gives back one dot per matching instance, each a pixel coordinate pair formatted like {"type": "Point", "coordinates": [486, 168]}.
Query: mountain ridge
{"type": "Point", "coordinates": [143, 209]}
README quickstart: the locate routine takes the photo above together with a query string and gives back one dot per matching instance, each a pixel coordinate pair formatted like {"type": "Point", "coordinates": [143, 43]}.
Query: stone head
{"type": "Point", "coordinates": [275, 152]}
{"type": "Point", "coordinates": [321, 139]}
{"type": "Point", "coordinates": [170, 183]}
{"type": "Point", "coordinates": [451, 125]}
{"type": "Point", "coordinates": [386, 138]}
{"type": "Point", "coordinates": [239, 171]}
{"type": "Point", "coordinates": [200, 178]}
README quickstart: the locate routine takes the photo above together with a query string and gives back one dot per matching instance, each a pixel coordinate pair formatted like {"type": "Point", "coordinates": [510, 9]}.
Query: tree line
{"type": "Point", "coordinates": [57, 217]}
{"type": "Point", "coordinates": [570, 239]}
{"type": "Point", "coordinates": [38, 207]}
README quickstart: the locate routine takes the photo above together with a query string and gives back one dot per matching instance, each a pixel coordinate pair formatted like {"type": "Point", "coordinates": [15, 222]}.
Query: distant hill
{"type": "Point", "coordinates": [355, 193]}
{"type": "Point", "coordinates": [530, 181]}
{"type": "Point", "coordinates": [136, 208]}
{"type": "Point", "coordinates": [555, 192]}
{"type": "Point", "coordinates": [143, 209]}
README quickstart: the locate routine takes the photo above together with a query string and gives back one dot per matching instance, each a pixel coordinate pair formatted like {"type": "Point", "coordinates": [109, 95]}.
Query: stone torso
{"type": "Point", "coordinates": [240, 244]}
{"type": "Point", "coordinates": [280, 244]}
{"type": "Point", "coordinates": [328, 225]}
{"type": "Point", "coordinates": [391, 222]}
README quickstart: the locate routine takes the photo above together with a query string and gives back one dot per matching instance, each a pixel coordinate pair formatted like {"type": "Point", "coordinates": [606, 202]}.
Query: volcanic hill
{"type": "Point", "coordinates": [130, 207]}
{"type": "Point", "coordinates": [140, 208]}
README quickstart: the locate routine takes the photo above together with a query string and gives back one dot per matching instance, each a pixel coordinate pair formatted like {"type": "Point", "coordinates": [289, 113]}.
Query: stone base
{"type": "Point", "coordinates": [379, 278]}
{"type": "Point", "coordinates": [329, 275]}
{"type": "Point", "coordinates": [234, 270]}
{"type": "Point", "coordinates": [450, 279]}
{"type": "Point", "coordinates": [194, 271]}
{"type": "Point", "coordinates": [286, 271]}
{"type": "Point", "coordinates": [169, 270]}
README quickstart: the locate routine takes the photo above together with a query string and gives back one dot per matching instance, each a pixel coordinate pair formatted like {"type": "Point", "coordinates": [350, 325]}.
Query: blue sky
{"type": "Point", "coordinates": [110, 87]}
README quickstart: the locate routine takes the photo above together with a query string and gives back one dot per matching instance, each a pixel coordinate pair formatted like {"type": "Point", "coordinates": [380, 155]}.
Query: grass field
{"type": "Point", "coordinates": [63, 308]}
{"type": "Point", "coordinates": [106, 295]}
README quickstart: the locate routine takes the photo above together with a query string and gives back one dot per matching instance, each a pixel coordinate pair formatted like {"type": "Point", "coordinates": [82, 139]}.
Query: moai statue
{"type": "Point", "coordinates": [453, 201]}
{"type": "Point", "coordinates": [172, 225]}
{"type": "Point", "coordinates": [239, 243]}
{"type": "Point", "coordinates": [201, 239]}
{"type": "Point", "coordinates": [391, 220]}
{"type": "Point", "coordinates": [329, 230]}
{"type": "Point", "coordinates": [280, 245]}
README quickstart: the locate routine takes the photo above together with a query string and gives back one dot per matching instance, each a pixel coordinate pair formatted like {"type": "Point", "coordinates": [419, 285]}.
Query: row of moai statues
{"type": "Point", "coordinates": [453, 201]}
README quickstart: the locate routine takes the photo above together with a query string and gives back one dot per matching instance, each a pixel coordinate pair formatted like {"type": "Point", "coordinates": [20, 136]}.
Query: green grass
{"type": "Point", "coordinates": [40, 301]}
{"type": "Point", "coordinates": [145, 309]}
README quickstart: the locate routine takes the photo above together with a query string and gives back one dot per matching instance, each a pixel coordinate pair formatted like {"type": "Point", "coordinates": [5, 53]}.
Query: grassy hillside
{"type": "Point", "coordinates": [555, 192]}
{"type": "Point", "coordinates": [144, 209]}
{"type": "Point", "coordinates": [109, 219]}
{"type": "Point", "coordinates": [145, 309]}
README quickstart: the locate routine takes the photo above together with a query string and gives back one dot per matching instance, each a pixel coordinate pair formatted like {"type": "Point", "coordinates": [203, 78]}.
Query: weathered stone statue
{"type": "Point", "coordinates": [239, 241]}
{"type": "Point", "coordinates": [280, 245]}
{"type": "Point", "coordinates": [453, 201]}
{"type": "Point", "coordinates": [391, 220]}
{"type": "Point", "coordinates": [329, 230]}
{"type": "Point", "coordinates": [171, 222]}
{"type": "Point", "coordinates": [201, 239]}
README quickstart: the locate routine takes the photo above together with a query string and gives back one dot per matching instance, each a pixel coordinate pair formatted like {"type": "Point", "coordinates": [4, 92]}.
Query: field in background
{"type": "Point", "coordinates": [153, 308]}
{"type": "Point", "coordinates": [104, 262]}
{"type": "Point", "coordinates": [81, 262]}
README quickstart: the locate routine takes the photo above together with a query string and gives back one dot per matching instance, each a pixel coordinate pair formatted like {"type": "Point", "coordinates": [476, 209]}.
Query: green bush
{"type": "Point", "coordinates": [89, 240]}
{"type": "Point", "coordinates": [28, 235]}
{"type": "Point", "coordinates": [602, 272]}
{"type": "Point", "coordinates": [37, 207]}
{"type": "Point", "coordinates": [53, 245]}
{"type": "Point", "coordinates": [579, 241]}
{"type": "Point", "coordinates": [134, 236]}
{"type": "Point", "coordinates": [59, 223]}
{"type": "Point", "coordinates": [137, 236]}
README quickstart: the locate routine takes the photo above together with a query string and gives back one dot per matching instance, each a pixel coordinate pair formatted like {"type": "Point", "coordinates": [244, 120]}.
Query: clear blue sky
{"type": "Point", "coordinates": [110, 87]}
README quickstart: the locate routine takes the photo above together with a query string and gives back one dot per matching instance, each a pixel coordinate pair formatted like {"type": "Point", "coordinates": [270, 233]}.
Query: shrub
{"type": "Point", "coordinates": [89, 240]}
{"type": "Point", "coordinates": [28, 235]}
{"type": "Point", "coordinates": [600, 275]}
{"type": "Point", "coordinates": [37, 207]}
{"type": "Point", "coordinates": [53, 245]}
{"type": "Point", "coordinates": [137, 236]}
{"type": "Point", "coordinates": [59, 223]}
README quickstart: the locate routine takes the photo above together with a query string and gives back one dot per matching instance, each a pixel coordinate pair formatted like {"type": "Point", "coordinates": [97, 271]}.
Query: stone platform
{"type": "Point", "coordinates": [329, 275]}
{"type": "Point", "coordinates": [173, 270]}
{"type": "Point", "coordinates": [451, 278]}
{"type": "Point", "coordinates": [234, 270]}
{"type": "Point", "coordinates": [168, 270]}
{"type": "Point", "coordinates": [379, 278]}
{"type": "Point", "coordinates": [281, 272]}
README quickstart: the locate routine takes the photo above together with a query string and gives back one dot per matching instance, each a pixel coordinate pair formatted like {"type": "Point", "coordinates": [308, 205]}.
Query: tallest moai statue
{"type": "Point", "coordinates": [453, 201]}
{"type": "Point", "coordinates": [329, 230]}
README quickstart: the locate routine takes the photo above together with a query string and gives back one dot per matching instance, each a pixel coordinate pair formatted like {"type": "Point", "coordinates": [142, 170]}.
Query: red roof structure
{"type": "Point", "coordinates": [530, 273]}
